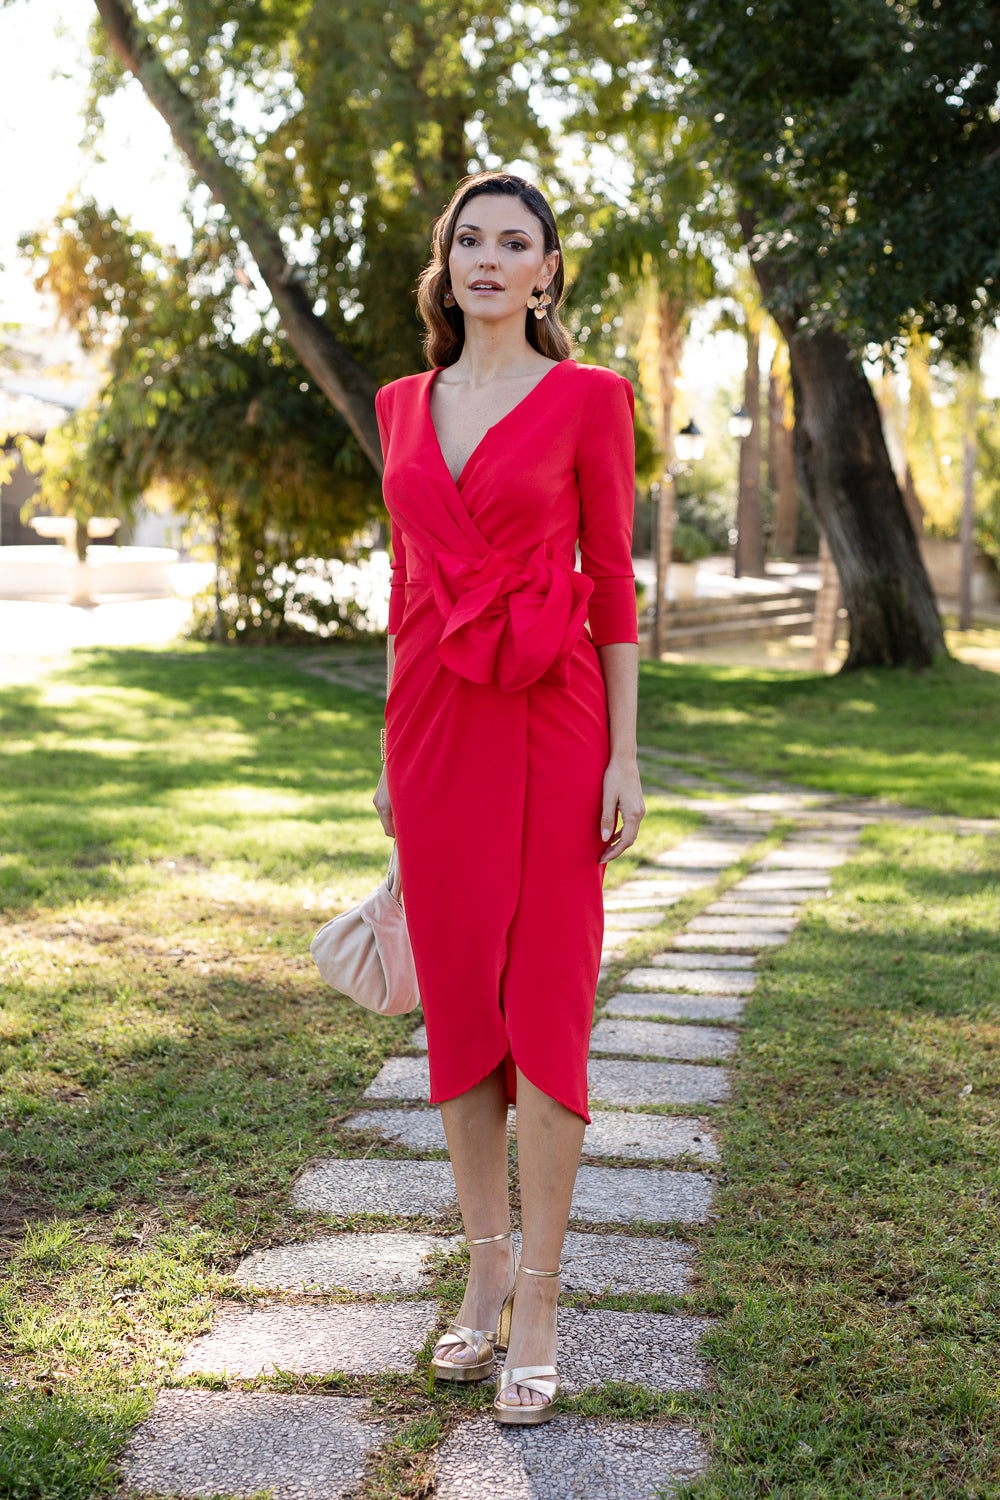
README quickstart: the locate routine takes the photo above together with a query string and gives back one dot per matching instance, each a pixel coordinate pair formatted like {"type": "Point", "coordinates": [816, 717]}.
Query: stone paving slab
{"type": "Point", "coordinates": [419, 1129]}
{"type": "Point", "coordinates": [358, 1262]}
{"type": "Point", "coordinates": [706, 856]}
{"type": "Point", "coordinates": [568, 1459]}
{"type": "Point", "coordinates": [241, 1442]}
{"type": "Point", "coordinates": [786, 880]}
{"type": "Point", "coordinates": [712, 942]}
{"type": "Point", "coordinates": [783, 802]}
{"type": "Point", "coordinates": [657, 1351]}
{"type": "Point", "coordinates": [695, 961]}
{"type": "Point", "coordinates": [622, 1195]}
{"type": "Point", "coordinates": [711, 922]}
{"type": "Point", "coordinates": [614, 1082]}
{"type": "Point", "coordinates": [657, 890]}
{"type": "Point", "coordinates": [357, 1339]}
{"type": "Point", "coordinates": [804, 857]}
{"type": "Point", "coordinates": [637, 921]}
{"type": "Point", "coordinates": [778, 899]}
{"type": "Point", "coordinates": [618, 1264]}
{"type": "Point", "coordinates": [688, 877]}
{"type": "Point", "coordinates": [821, 836]}
{"type": "Point", "coordinates": [775, 911]}
{"type": "Point", "coordinates": [698, 981]}
{"type": "Point", "coordinates": [401, 1078]}
{"type": "Point", "coordinates": [613, 902]}
{"type": "Point", "coordinates": [656, 1039]}
{"type": "Point", "coordinates": [610, 1133]}
{"type": "Point", "coordinates": [644, 1137]}
{"type": "Point", "coordinates": [376, 1187]}
{"type": "Point", "coordinates": [676, 1007]}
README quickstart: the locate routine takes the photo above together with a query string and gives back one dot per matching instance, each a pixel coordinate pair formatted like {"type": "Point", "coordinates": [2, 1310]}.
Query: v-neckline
{"type": "Point", "coordinates": [492, 428]}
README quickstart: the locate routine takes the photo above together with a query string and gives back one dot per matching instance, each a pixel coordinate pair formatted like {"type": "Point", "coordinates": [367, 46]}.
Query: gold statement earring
{"type": "Point", "coordinates": [449, 298]}
{"type": "Point", "coordinates": [538, 302]}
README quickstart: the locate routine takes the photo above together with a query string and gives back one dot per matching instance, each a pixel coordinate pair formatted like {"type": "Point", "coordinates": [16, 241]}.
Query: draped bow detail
{"type": "Point", "coordinates": [507, 618]}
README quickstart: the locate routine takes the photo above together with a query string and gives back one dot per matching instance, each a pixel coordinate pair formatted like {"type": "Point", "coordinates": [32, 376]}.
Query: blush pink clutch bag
{"type": "Point", "coordinates": [365, 952]}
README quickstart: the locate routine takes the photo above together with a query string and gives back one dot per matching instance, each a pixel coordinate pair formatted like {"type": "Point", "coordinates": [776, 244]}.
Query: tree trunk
{"type": "Point", "coordinates": [348, 387]}
{"type": "Point", "coordinates": [749, 525]}
{"type": "Point", "coordinates": [218, 630]}
{"type": "Point", "coordinates": [827, 608]}
{"type": "Point", "coordinates": [670, 322]}
{"type": "Point", "coordinates": [845, 470]}
{"type": "Point", "coordinates": [781, 461]}
{"type": "Point", "coordinates": [967, 524]}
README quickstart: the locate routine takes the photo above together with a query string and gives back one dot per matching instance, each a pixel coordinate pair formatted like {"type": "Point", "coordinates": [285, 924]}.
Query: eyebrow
{"type": "Point", "coordinates": [478, 230]}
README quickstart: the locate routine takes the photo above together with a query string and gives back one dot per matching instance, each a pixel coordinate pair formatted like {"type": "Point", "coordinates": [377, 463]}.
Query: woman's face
{"type": "Point", "coordinates": [498, 257]}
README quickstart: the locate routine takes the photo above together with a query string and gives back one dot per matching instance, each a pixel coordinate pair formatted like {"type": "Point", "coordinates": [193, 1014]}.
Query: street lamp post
{"type": "Point", "coordinates": [740, 428]}
{"type": "Point", "coordinates": [689, 446]}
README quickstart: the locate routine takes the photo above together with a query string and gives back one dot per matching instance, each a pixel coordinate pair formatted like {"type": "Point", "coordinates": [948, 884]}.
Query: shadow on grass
{"type": "Point", "coordinates": [206, 1095]}
{"type": "Point", "coordinates": [923, 739]}
{"type": "Point", "coordinates": [130, 755]}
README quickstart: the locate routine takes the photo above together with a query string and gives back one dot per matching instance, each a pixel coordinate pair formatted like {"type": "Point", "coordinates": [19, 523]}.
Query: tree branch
{"type": "Point", "coordinates": [346, 385]}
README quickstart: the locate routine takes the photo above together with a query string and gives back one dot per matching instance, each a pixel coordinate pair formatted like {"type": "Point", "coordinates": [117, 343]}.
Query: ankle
{"type": "Point", "coordinates": [491, 1260]}
{"type": "Point", "coordinates": [537, 1288]}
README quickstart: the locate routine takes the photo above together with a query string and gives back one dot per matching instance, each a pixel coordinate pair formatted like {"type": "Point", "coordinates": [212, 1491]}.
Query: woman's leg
{"type": "Point", "coordinates": [475, 1124]}
{"type": "Point", "coordinates": [549, 1141]}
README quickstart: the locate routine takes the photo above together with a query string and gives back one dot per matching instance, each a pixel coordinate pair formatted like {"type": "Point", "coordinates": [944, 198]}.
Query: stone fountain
{"type": "Point", "coordinates": [107, 573]}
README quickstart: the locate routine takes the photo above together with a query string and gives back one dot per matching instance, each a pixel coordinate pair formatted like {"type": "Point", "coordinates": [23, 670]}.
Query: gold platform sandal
{"type": "Point", "coordinates": [483, 1342]}
{"type": "Point", "coordinates": [541, 1378]}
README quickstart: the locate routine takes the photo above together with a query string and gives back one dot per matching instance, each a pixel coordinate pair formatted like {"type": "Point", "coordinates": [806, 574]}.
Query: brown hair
{"type": "Point", "coordinates": [445, 326]}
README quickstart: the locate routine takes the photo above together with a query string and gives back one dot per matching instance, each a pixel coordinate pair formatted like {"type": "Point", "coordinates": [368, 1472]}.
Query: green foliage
{"type": "Point", "coordinates": [689, 544]}
{"type": "Point", "coordinates": [352, 125]}
{"type": "Point", "coordinates": [988, 488]}
{"type": "Point", "coordinates": [81, 472]}
{"type": "Point", "coordinates": [706, 497]}
{"type": "Point", "coordinates": [226, 428]}
{"type": "Point", "coordinates": [865, 143]}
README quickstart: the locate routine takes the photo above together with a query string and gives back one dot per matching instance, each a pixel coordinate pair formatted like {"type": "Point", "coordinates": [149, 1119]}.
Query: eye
{"type": "Point", "coordinates": [516, 245]}
{"type": "Point", "coordinates": [466, 239]}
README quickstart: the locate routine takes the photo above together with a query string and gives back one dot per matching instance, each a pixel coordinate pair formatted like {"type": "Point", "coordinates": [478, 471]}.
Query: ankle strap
{"type": "Point", "coordinates": [529, 1272]}
{"type": "Point", "coordinates": [490, 1239]}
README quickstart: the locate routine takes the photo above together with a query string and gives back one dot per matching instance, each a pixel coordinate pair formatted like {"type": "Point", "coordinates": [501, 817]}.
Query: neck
{"type": "Point", "coordinates": [494, 350]}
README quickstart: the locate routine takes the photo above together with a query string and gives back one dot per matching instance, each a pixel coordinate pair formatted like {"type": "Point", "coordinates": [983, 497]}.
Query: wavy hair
{"type": "Point", "coordinates": [445, 335]}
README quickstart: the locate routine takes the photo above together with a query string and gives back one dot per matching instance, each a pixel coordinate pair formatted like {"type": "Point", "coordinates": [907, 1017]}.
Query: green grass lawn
{"type": "Point", "coordinates": [173, 827]}
{"type": "Point", "coordinates": [930, 739]}
{"type": "Point", "coordinates": [856, 1263]}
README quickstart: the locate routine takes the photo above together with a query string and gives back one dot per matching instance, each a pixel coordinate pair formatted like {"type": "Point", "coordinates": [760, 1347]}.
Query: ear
{"type": "Point", "coordinates": [549, 267]}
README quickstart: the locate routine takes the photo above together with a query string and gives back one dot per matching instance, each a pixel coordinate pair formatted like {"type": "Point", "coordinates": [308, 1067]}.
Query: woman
{"type": "Point", "coordinates": [510, 740]}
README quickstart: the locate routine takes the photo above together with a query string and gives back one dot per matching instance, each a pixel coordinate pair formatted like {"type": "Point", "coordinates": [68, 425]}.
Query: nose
{"type": "Point", "coordinates": [486, 259]}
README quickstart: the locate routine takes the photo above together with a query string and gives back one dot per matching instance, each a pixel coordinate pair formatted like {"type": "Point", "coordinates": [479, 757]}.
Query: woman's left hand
{"type": "Point", "coordinates": [622, 795]}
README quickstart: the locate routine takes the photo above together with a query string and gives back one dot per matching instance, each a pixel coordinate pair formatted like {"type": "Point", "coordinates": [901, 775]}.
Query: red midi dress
{"type": "Point", "coordinates": [497, 721]}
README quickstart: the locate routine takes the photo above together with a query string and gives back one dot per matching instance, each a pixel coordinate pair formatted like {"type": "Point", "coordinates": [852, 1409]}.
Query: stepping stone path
{"type": "Point", "coordinates": [660, 1045]}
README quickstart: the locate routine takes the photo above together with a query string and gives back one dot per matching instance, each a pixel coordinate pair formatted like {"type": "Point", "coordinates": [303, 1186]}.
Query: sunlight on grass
{"type": "Point", "coordinates": [183, 823]}
{"type": "Point", "coordinates": [928, 739]}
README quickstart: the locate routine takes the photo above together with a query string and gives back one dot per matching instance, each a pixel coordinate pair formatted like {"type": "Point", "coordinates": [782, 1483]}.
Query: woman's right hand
{"type": "Point", "coordinates": [384, 808]}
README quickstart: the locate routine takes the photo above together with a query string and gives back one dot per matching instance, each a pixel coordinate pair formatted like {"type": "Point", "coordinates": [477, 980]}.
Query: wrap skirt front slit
{"type": "Point", "coordinates": [497, 722]}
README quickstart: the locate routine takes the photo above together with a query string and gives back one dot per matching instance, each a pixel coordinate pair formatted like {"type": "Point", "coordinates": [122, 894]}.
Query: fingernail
{"type": "Point", "coordinates": [605, 833]}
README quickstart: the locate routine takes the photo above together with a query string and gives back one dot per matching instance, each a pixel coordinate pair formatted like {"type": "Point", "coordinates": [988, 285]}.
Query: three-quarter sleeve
{"type": "Point", "coordinates": [605, 466]}
{"type": "Point", "coordinates": [397, 585]}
